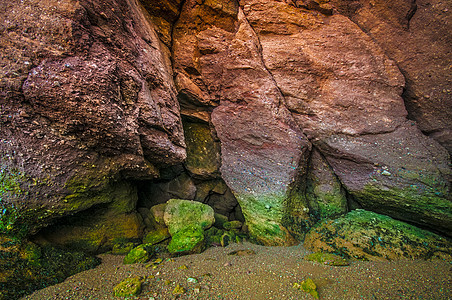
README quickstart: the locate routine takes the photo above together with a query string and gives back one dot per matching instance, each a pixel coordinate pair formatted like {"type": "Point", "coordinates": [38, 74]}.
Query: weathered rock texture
{"type": "Point", "coordinates": [91, 126]}
{"type": "Point", "coordinates": [87, 100]}
{"type": "Point", "coordinates": [367, 235]}
{"type": "Point", "coordinates": [417, 36]}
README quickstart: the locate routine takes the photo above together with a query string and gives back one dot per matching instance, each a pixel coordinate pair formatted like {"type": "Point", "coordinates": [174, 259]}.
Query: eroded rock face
{"type": "Point", "coordinates": [417, 36]}
{"type": "Point", "coordinates": [345, 94]}
{"type": "Point", "coordinates": [87, 100]}
{"type": "Point", "coordinates": [90, 106]}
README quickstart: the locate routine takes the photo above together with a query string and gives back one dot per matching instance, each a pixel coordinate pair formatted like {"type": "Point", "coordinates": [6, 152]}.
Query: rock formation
{"type": "Point", "coordinates": [278, 114]}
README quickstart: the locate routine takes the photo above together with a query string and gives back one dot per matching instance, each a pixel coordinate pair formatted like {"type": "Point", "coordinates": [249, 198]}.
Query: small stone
{"type": "Point", "coordinates": [386, 173]}
{"type": "Point", "coordinates": [192, 280]}
{"type": "Point", "coordinates": [183, 267]}
{"type": "Point", "coordinates": [140, 254]}
{"type": "Point", "coordinates": [178, 290]}
{"type": "Point", "coordinates": [308, 286]}
{"type": "Point", "coordinates": [128, 287]}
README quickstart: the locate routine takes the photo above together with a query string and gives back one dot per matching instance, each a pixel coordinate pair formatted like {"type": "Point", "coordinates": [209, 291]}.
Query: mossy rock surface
{"type": "Point", "coordinates": [367, 235]}
{"type": "Point", "coordinates": [180, 214]}
{"type": "Point", "coordinates": [25, 267]}
{"type": "Point", "coordinates": [156, 236]}
{"type": "Point", "coordinates": [189, 240]}
{"type": "Point", "coordinates": [186, 221]}
{"type": "Point", "coordinates": [129, 287]}
{"type": "Point", "coordinates": [139, 254]}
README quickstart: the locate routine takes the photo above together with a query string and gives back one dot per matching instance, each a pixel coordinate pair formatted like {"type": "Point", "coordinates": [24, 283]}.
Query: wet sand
{"type": "Point", "coordinates": [268, 274]}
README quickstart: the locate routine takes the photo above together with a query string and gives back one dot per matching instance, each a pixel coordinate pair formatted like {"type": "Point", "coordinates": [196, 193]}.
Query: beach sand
{"type": "Point", "coordinates": [268, 274]}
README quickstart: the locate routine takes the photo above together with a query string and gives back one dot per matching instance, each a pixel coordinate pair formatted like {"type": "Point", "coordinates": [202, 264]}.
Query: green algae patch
{"type": "Point", "coordinates": [327, 259]}
{"type": "Point", "coordinates": [367, 235]}
{"type": "Point", "coordinates": [264, 216]}
{"type": "Point", "coordinates": [188, 240]}
{"type": "Point", "coordinates": [324, 192]}
{"type": "Point", "coordinates": [139, 254]}
{"type": "Point", "coordinates": [307, 286]}
{"type": "Point", "coordinates": [186, 221]}
{"type": "Point", "coordinates": [10, 214]}
{"type": "Point", "coordinates": [129, 287]}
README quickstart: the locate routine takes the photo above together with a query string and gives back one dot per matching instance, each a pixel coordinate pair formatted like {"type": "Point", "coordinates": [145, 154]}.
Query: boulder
{"type": "Point", "coordinates": [156, 236]}
{"type": "Point", "coordinates": [367, 235]}
{"type": "Point", "coordinates": [263, 151]}
{"type": "Point", "coordinates": [159, 192]}
{"type": "Point", "coordinates": [139, 254]}
{"type": "Point", "coordinates": [186, 221]}
{"type": "Point", "coordinates": [99, 228]}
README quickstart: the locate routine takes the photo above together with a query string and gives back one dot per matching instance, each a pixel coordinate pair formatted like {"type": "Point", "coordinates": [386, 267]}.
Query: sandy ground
{"type": "Point", "coordinates": [268, 274]}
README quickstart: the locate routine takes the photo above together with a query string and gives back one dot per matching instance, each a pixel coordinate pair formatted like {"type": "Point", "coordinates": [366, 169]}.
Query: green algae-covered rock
{"type": "Point", "coordinates": [310, 287]}
{"type": "Point", "coordinates": [129, 287]}
{"type": "Point", "coordinates": [140, 254]}
{"type": "Point", "coordinates": [187, 240]}
{"type": "Point", "coordinates": [203, 153]}
{"type": "Point", "coordinates": [156, 236]}
{"type": "Point", "coordinates": [186, 221]}
{"type": "Point", "coordinates": [182, 213]}
{"type": "Point", "coordinates": [25, 266]}
{"type": "Point", "coordinates": [367, 235]}
{"type": "Point", "coordinates": [327, 259]}
{"type": "Point", "coordinates": [324, 191]}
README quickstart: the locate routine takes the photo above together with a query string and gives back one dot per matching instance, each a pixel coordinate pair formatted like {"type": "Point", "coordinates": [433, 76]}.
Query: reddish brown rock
{"type": "Point", "coordinates": [417, 36]}
{"type": "Point", "coordinates": [263, 151]}
{"type": "Point", "coordinates": [345, 94]}
{"type": "Point", "coordinates": [87, 100]}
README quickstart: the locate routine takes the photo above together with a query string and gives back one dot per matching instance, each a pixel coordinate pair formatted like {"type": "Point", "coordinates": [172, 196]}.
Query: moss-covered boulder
{"type": "Point", "coordinates": [186, 221]}
{"type": "Point", "coordinates": [139, 254]}
{"type": "Point", "coordinates": [25, 267]}
{"type": "Point", "coordinates": [187, 240]}
{"type": "Point", "coordinates": [367, 235]}
{"type": "Point", "coordinates": [129, 287]}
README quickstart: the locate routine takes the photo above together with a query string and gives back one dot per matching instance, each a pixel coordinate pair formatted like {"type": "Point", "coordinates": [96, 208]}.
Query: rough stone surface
{"type": "Point", "coordinates": [203, 153]}
{"type": "Point", "coordinates": [87, 96]}
{"type": "Point", "coordinates": [324, 191]}
{"type": "Point", "coordinates": [331, 72]}
{"type": "Point", "coordinates": [417, 36]}
{"type": "Point", "coordinates": [181, 187]}
{"type": "Point", "coordinates": [129, 287]}
{"type": "Point", "coordinates": [367, 235]}
{"type": "Point", "coordinates": [25, 267]}
{"type": "Point", "coordinates": [140, 254]}
{"type": "Point", "coordinates": [261, 146]}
